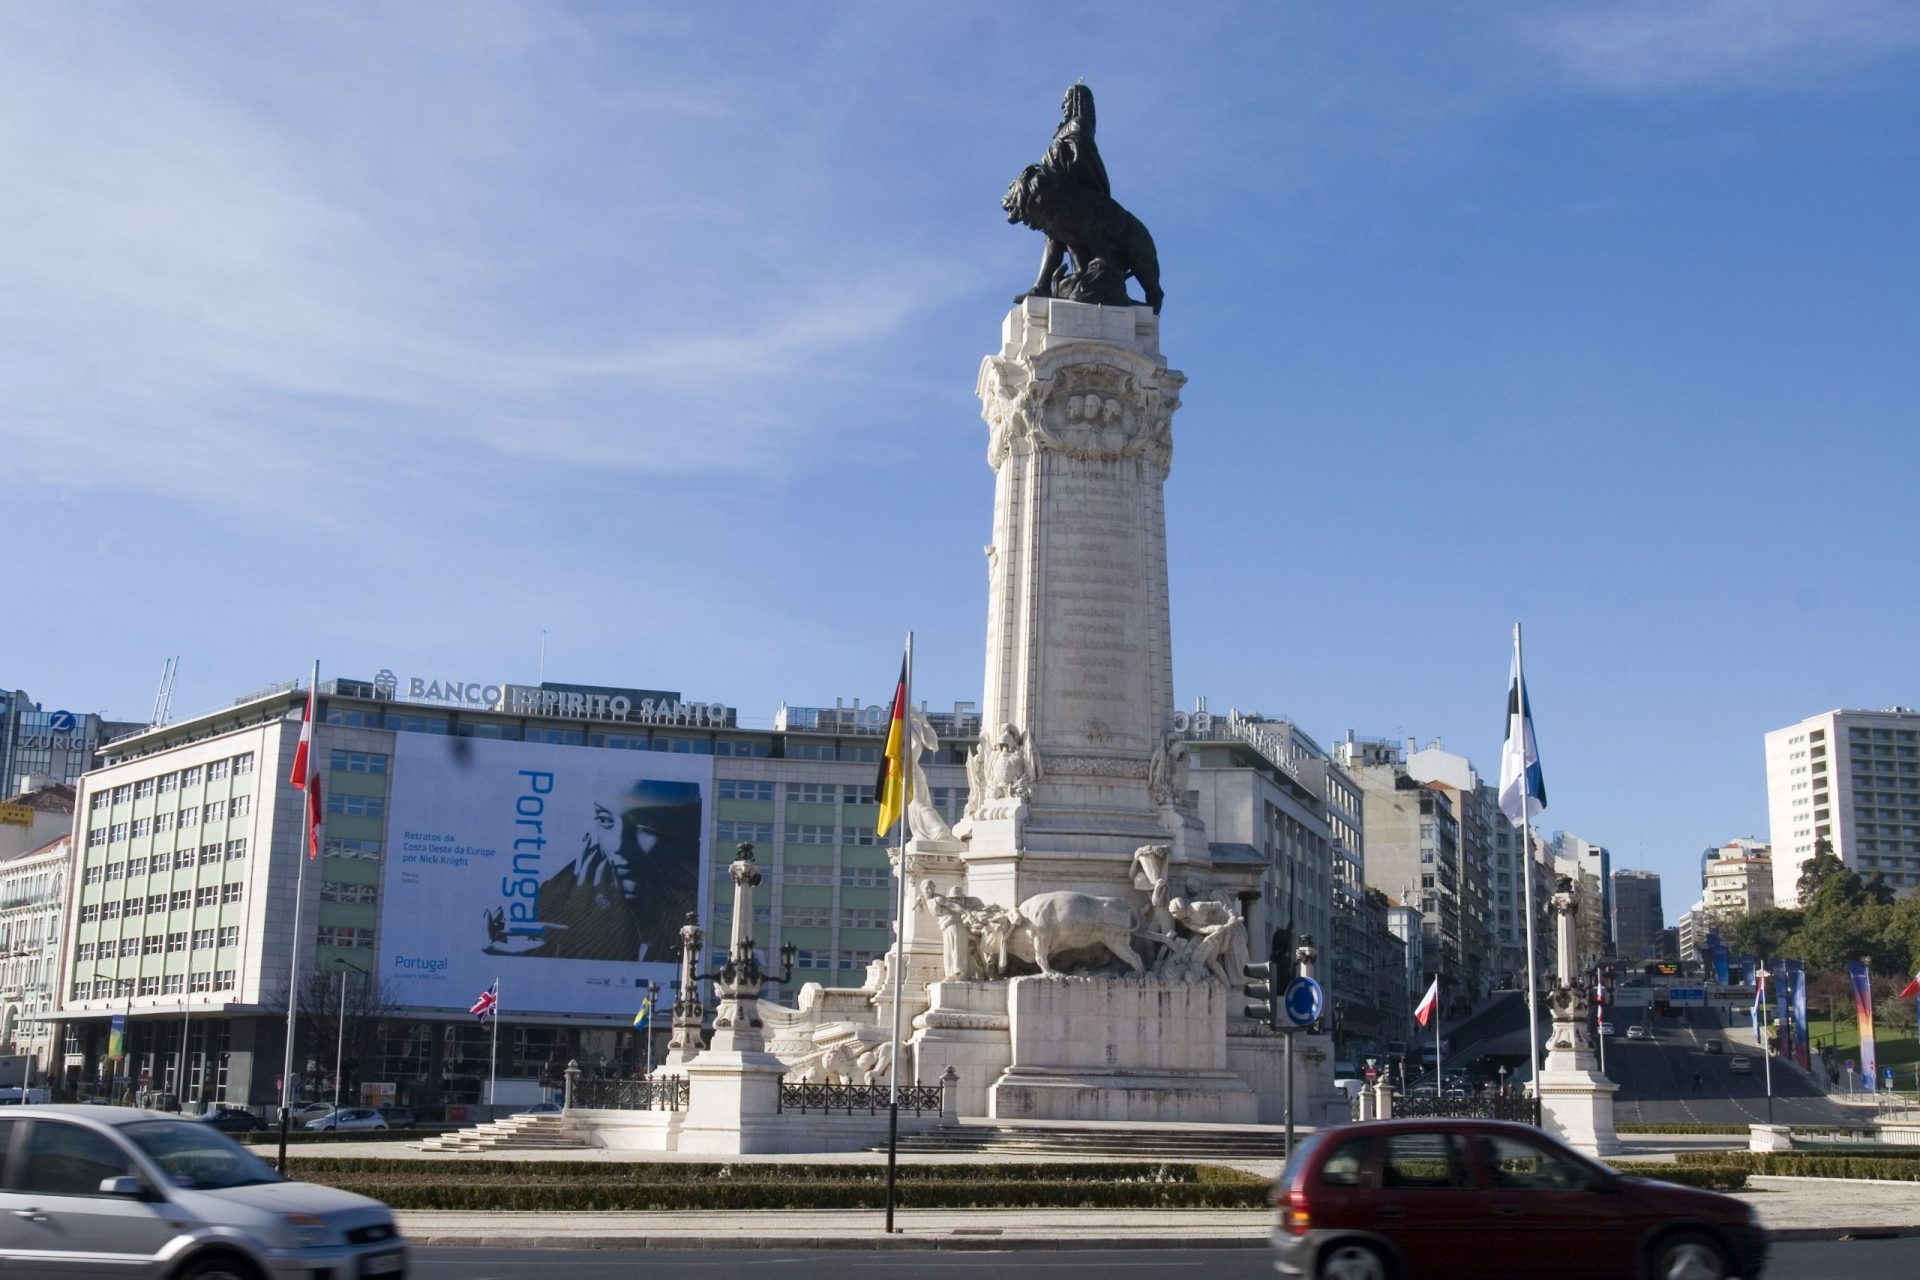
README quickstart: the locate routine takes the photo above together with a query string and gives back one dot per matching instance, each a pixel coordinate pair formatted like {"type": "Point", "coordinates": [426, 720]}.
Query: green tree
{"type": "Point", "coordinates": [1763, 934]}
{"type": "Point", "coordinates": [1820, 869]}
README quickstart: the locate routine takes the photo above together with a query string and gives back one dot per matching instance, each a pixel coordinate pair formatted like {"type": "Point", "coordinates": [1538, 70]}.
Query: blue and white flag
{"type": "Point", "coordinates": [1759, 997]}
{"type": "Point", "coordinates": [1523, 790]}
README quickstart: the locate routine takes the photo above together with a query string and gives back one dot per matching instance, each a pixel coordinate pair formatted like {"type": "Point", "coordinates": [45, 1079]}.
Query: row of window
{"type": "Point", "coordinates": [166, 783]}
{"type": "Point", "coordinates": [357, 806]}
{"type": "Point", "coordinates": [339, 935]}
{"type": "Point", "coordinates": [160, 824]}
{"type": "Point", "coordinates": [154, 944]}
{"type": "Point", "coordinates": [823, 917]}
{"type": "Point", "coordinates": [847, 877]}
{"type": "Point", "coordinates": [171, 984]}
{"type": "Point", "coordinates": [359, 762]}
{"type": "Point", "coordinates": [152, 904]}
{"type": "Point", "coordinates": [337, 891]}
{"type": "Point", "coordinates": [159, 863]}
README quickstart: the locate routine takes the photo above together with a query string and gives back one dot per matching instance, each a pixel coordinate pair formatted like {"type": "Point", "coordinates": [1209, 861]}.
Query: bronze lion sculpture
{"type": "Point", "coordinates": [1106, 243]}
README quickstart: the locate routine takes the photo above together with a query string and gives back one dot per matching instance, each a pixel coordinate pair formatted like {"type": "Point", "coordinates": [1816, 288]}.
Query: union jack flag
{"type": "Point", "coordinates": [489, 1002]}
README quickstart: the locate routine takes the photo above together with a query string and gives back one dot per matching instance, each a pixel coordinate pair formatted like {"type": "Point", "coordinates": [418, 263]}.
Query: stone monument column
{"type": "Point", "coordinates": [688, 1013]}
{"type": "Point", "coordinates": [1076, 765]}
{"type": "Point", "coordinates": [1576, 1101]}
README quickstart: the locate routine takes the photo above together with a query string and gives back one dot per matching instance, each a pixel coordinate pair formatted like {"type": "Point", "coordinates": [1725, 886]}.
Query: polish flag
{"type": "Point", "coordinates": [305, 776]}
{"type": "Point", "coordinates": [1428, 1003]}
{"type": "Point", "coordinates": [1912, 988]}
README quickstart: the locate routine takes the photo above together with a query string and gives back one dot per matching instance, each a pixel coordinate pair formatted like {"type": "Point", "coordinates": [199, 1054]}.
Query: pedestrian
{"type": "Point", "coordinates": [1696, 1082]}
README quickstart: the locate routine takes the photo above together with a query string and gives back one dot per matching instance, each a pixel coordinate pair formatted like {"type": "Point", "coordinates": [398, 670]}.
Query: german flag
{"type": "Point", "coordinates": [890, 785]}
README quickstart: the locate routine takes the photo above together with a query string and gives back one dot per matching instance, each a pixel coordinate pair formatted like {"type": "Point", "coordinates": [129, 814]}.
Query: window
{"type": "Point", "coordinates": [237, 848]}
{"type": "Point", "coordinates": [190, 777]}
{"type": "Point", "coordinates": [143, 789]}
{"type": "Point", "coordinates": [865, 918]}
{"type": "Point", "coordinates": [809, 833]}
{"type": "Point", "coordinates": [858, 834]}
{"type": "Point", "coordinates": [164, 862]}
{"type": "Point", "coordinates": [217, 770]}
{"type": "Point", "coordinates": [216, 811]}
{"type": "Point", "coordinates": [364, 850]}
{"type": "Point", "coordinates": [243, 763]}
{"type": "Point", "coordinates": [209, 854]}
{"type": "Point", "coordinates": [97, 801]}
{"type": "Point", "coordinates": [83, 953]}
{"type": "Point", "coordinates": [189, 818]}
{"type": "Point", "coordinates": [865, 877]}
{"type": "Point", "coordinates": [223, 979]}
{"type": "Point", "coordinates": [1517, 1165]}
{"type": "Point", "coordinates": [740, 789]}
{"type": "Point", "coordinates": [743, 832]}
{"type": "Point", "coordinates": [177, 941]}
{"type": "Point", "coordinates": [357, 806]}
{"type": "Point", "coordinates": [150, 986]}
{"type": "Point", "coordinates": [96, 837]}
{"type": "Point", "coordinates": [115, 870]}
{"type": "Point", "coordinates": [1426, 1161]}
{"type": "Point", "coordinates": [230, 936]}
{"type": "Point", "coordinates": [200, 982]}
{"type": "Point", "coordinates": [121, 795]}
{"type": "Point", "coordinates": [67, 1160]}
{"type": "Point", "coordinates": [172, 984]}
{"type": "Point", "coordinates": [151, 944]}
{"type": "Point", "coordinates": [811, 792]}
{"type": "Point", "coordinates": [156, 903]}
{"type": "Point", "coordinates": [206, 895]}
{"type": "Point", "coordinates": [820, 917]}
{"type": "Point", "coordinates": [358, 762]}
{"type": "Point", "coordinates": [203, 939]}
{"type": "Point", "coordinates": [142, 828]}
{"type": "Point", "coordinates": [335, 891]}
{"type": "Point", "coordinates": [182, 899]}
{"type": "Point", "coordinates": [340, 935]}
{"type": "Point", "coordinates": [83, 990]}
{"type": "Point", "coordinates": [92, 874]}
{"type": "Point", "coordinates": [231, 892]}
{"type": "Point", "coordinates": [118, 832]}
{"type": "Point", "coordinates": [801, 873]}
{"type": "Point", "coordinates": [858, 794]}
{"type": "Point", "coordinates": [136, 867]}
{"type": "Point", "coordinates": [169, 782]}
{"type": "Point", "coordinates": [108, 911]}
{"type": "Point", "coordinates": [240, 807]}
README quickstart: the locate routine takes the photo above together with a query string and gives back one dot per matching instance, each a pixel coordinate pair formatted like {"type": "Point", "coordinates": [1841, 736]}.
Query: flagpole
{"type": "Point", "coordinates": [1526, 876]}
{"type": "Point", "coordinates": [899, 965]}
{"type": "Point", "coordinates": [493, 1064]}
{"type": "Point", "coordinates": [1439, 1075]}
{"type": "Point", "coordinates": [301, 858]}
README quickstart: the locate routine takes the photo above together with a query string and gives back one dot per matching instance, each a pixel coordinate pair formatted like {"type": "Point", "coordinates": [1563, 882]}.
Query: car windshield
{"type": "Point", "coordinates": [197, 1157]}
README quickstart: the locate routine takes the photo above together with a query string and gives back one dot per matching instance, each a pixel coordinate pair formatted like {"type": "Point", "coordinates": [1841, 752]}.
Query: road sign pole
{"type": "Point", "coordinates": [1287, 1097]}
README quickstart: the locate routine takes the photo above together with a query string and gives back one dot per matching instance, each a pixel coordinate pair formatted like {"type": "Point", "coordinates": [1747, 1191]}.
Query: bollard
{"type": "Point", "coordinates": [573, 1075]}
{"type": "Point", "coordinates": [950, 1094]}
{"type": "Point", "coordinates": [1383, 1101]}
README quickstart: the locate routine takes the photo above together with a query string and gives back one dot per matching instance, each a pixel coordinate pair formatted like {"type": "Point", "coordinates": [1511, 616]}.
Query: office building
{"type": "Point", "coordinates": [33, 886]}
{"type": "Point", "coordinates": [39, 746]}
{"type": "Point", "coordinates": [1851, 778]}
{"type": "Point", "coordinates": [1739, 880]}
{"type": "Point", "coordinates": [1595, 860]}
{"type": "Point", "coordinates": [1637, 915]}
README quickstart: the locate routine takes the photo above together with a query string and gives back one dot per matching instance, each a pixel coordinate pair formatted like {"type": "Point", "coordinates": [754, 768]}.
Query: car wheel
{"type": "Point", "coordinates": [1689, 1256]}
{"type": "Point", "coordinates": [1351, 1261]}
{"type": "Point", "coordinates": [218, 1267]}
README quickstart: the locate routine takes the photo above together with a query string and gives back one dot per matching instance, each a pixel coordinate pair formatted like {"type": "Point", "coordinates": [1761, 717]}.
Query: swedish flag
{"type": "Point", "coordinates": [645, 1016]}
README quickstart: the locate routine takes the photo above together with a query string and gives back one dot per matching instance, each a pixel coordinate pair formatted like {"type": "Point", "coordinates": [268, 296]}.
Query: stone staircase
{"type": "Point", "coordinates": [1130, 1142]}
{"type": "Point", "coordinates": [515, 1133]}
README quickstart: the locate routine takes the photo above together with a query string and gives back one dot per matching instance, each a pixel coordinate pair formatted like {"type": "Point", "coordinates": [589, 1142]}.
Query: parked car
{"type": "Point", "coordinates": [348, 1118]}
{"type": "Point", "coordinates": [120, 1191]}
{"type": "Point", "coordinates": [234, 1120]}
{"type": "Point", "coordinates": [304, 1111]}
{"type": "Point", "coordinates": [1636, 1032]}
{"type": "Point", "coordinates": [541, 1109]}
{"type": "Point", "coordinates": [398, 1117]}
{"type": "Point", "coordinates": [1484, 1198]}
{"type": "Point", "coordinates": [1740, 1065]}
{"type": "Point", "coordinates": [1713, 1046]}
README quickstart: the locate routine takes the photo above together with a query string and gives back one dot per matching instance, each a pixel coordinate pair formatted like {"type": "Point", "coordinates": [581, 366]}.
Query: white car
{"type": "Point", "coordinates": [348, 1118]}
{"type": "Point", "coordinates": [1636, 1032]}
{"type": "Point", "coordinates": [93, 1191]}
{"type": "Point", "coordinates": [1740, 1065]}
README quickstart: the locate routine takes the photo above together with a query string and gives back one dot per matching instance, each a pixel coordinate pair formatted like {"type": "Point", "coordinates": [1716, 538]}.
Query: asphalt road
{"type": "Point", "coordinates": [1656, 1079]}
{"type": "Point", "coordinates": [1853, 1260]}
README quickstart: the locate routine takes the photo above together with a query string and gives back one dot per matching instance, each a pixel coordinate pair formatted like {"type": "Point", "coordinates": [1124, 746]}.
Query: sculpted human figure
{"type": "Point", "coordinates": [923, 819]}
{"type": "Point", "coordinates": [956, 940]}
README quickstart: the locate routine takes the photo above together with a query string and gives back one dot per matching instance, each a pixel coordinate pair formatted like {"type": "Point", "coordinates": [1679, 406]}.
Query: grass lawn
{"type": "Point", "coordinates": [1893, 1046]}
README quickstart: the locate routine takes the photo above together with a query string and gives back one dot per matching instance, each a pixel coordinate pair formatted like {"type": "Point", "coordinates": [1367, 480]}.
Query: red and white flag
{"type": "Point", "coordinates": [489, 1002]}
{"type": "Point", "coordinates": [1912, 988]}
{"type": "Point", "coordinates": [1428, 1003]}
{"type": "Point", "coordinates": [306, 777]}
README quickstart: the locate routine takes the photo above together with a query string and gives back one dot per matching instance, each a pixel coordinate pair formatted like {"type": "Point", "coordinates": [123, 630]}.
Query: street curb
{"type": "Point", "coordinates": [842, 1244]}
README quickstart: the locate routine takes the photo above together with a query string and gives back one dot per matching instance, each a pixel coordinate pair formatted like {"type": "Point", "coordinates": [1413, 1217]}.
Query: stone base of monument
{"type": "Point", "coordinates": [1100, 1048]}
{"type": "Point", "coordinates": [733, 1103]}
{"type": "Point", "coordinates": [1576, 1103]}
{"type": "Point", "coordinates": [965, 1027]}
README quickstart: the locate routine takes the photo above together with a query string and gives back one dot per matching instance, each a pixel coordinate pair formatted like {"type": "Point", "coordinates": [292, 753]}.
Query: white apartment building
{"type": "Point", "coordinates": [33, 890]}
{"type": "Point", "coordinates": [1739, 880]}
{"type": "Point", "coordinates": [1853, 778]}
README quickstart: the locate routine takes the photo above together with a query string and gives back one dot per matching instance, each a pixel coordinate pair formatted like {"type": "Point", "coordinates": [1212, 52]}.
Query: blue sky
{"type": "Point", "coordinates": [394, 334]}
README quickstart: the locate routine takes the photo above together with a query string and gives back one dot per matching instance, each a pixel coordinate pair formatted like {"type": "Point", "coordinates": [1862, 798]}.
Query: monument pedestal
{"type": "Point", "coordinates": [1099, 1048]}
{"type": "Point", "coordinates": [1576, 1101]}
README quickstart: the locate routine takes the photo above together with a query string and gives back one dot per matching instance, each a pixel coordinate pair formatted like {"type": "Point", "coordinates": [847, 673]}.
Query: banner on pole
{"type": "Point", "coordinates": [1798, 972]}
{"type": "Point", "coordinates": [1863, 1011]}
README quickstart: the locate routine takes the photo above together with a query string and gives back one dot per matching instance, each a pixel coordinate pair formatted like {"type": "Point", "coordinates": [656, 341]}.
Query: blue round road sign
{"type": "Point", "coordinates": [1302, 1001]}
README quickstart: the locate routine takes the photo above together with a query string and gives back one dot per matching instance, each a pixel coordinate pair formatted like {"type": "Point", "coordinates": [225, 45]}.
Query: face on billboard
{"type": "Point", "coordinates": [566, 872]}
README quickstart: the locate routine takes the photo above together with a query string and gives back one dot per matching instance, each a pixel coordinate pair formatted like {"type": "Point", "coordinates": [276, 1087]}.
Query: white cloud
{"type": "Point", "coordinates": [1663, 44]}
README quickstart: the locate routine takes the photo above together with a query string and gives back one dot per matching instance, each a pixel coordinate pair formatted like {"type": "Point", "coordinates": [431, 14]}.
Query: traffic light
{"type": "Point", "coordinates": [1263, 1000]}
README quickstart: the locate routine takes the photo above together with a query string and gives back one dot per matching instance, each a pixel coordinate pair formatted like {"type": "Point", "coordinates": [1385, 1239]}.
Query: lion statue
{"type": "Point", "coordinates": [1107, 244]}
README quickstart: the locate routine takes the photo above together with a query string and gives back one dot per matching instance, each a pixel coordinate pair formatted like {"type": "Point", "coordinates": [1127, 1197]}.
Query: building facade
{"type": "Point", "coordinates": [1739, 880]}
{"type": "Point", "coordinates": [1637, 915]}
{"type": "Point", "coordinates": [33, 892]}
{"type": "Point", "coordinates": [40, 746]}
{"type": "Point", "coordinates": [1569, 850]}
{"type": "Point", "coordinates": [1851, 778]}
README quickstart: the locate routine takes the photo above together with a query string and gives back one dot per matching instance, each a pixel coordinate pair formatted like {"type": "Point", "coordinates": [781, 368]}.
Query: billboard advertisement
{"type": "Point", "coordinates": [563, 872]}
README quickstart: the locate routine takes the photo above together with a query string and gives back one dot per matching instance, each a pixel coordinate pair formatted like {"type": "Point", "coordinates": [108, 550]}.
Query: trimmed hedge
{"type": "Point", "coordinates": [1794, 1164]}
{"type": "Point", "coordinates": [580, 1185]}
{"type": "Point", "coordinates": [271, 1137]}
{"type": "Point", "coordinates": [1707, 1177]}
{"type": "Point", "coordinates": [1716, 1130]}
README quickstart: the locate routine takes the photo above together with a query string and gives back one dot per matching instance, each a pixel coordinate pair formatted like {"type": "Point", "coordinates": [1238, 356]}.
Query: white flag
{"type": "Point", "coordinates": [1523, 789]}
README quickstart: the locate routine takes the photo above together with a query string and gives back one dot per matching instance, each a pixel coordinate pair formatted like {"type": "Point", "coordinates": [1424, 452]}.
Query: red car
{"type": "Point", "coordinates": [1481, 1199]}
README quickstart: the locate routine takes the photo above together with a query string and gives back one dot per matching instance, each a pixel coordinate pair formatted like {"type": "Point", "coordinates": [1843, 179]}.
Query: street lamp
{"type": "Point", "coordinates": [653, 1000]}
{"type": "Point", "coordinates": [126, 1032]}
{"type": "Point", "coordinates": [340, 1042]}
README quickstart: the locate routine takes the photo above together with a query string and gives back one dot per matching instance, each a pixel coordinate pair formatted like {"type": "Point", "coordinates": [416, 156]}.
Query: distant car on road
{"type": "Point", "coordinates": [347, 1118]}
{"type": "Point", "coordinates": [1740, 1065]}
{"type": "Point", "coordinates": [1636, 1032]}
{"type": "Point", "coordinates": [233, 1120]}
{"type": "Point", "coordinates": [1609, 1029]}
{"type": "Point", "coordinates": [1713, 1046]}
{"type": "Point", "coordinates": [1405, 1197]}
